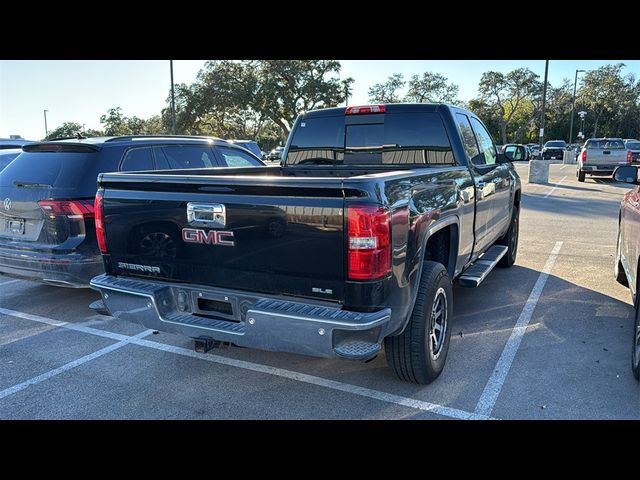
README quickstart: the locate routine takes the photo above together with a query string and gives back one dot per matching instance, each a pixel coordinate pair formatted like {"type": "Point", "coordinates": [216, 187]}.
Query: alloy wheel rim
{"type": "Point", "coordinates": [439, 324]}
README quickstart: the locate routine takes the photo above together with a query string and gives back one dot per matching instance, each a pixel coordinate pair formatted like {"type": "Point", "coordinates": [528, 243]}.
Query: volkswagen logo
{"type": "Point", "coordinates": [7, 204]}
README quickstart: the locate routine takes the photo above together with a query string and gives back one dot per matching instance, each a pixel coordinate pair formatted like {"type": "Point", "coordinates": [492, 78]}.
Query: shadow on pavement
{"type": "Point", "coordinates": [572, 205]}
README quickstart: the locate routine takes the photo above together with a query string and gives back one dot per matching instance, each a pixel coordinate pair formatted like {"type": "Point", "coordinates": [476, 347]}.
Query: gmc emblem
{"type": "Point", "coordinates": [212, 237]}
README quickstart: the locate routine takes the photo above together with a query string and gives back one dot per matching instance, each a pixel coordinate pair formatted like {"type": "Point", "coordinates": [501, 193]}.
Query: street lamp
{"type": "Point", "coordinates": [573, 105]}
{"type": "Point", "coordinates": [582, 115]}
{"type": "Point", "coordinates": [46, 130]}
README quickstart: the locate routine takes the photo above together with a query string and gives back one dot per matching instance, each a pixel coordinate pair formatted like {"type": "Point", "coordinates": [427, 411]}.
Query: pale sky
{"type": "Point", "coordinates": [82, 90]}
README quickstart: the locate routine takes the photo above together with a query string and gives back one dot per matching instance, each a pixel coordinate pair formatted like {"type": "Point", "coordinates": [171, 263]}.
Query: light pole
{"type": "Point", "coordinates": [582, 115]}
{"type": "Point", "coordinates": [573, 105]}
{"type": "Point", "coordinates": [544, 102]}
{"type": "Point", "coordinates": [173, 102]}
{"type": "Point", "coordinates": [46, 130]}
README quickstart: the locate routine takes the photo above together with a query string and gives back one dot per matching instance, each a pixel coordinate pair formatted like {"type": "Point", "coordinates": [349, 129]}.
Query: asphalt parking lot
{"type": "Point", "coordinates": [549, 338]}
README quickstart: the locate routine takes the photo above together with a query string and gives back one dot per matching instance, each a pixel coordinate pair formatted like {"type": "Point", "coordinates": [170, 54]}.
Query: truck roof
{"type": "Point", "coordinates": [390, 108]}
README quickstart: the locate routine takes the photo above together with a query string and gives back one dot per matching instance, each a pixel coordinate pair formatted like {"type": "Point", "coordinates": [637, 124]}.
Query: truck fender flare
{"type": "Point", "coordinates": [433, 228]}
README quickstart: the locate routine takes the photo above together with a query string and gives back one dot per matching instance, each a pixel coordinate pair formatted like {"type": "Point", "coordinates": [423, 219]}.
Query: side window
{"type": "Point", "coordinates": [485, 142]}
{"type": "Point", "coordinates": [188, 156]}
{"type": "Point", "coordinates": [469, 140]}
{"type": "Point", "coordinates": [137, 159]}
{"type": "Point", "coordinates": [234, 157]}
{"type": "Point", "coordinates": [161, 160]}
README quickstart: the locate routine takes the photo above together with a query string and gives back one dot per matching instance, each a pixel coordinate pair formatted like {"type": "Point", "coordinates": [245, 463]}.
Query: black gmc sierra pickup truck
{"type": "Point", "coordinates": [354, 241]}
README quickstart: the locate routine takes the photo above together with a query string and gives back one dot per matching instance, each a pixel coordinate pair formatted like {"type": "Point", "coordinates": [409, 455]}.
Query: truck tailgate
{"type": "Point", "coordinates": [275, 237]}
{"type": "Point", "coordinates": [605, 157]}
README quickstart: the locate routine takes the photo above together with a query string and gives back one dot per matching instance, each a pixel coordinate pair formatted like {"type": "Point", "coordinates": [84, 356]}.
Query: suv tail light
{"type": "Point", "coordinates": [74, 209]}
{"type": "Point", "coordinates": [629, 156]}
{"type": "Point", "coordinates": [584, 156]}
{"type": "Point", "coordinates": [102, 239]}
{"type": "Point", "coordinates": [365, 109]}
{"type": "Point", "coordinates": [368, 232]}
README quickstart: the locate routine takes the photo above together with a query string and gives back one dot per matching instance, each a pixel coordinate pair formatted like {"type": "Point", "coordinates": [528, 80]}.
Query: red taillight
{"type": "Point", "coordinates": [584, 156]}
{"type": "Point", "coordinates": [368, 232]}
{"type": "Point", "coordinates": [629, 156]}
{"type": "Point", "coordinates": [75, 209]}
{"type": "Point", "coordinates": [365, 109]}
{"type": "Point", "coordinates": [102, 239]}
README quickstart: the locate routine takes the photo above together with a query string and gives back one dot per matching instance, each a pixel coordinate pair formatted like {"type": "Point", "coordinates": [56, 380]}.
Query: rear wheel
{"type": "Point", "coordinates": [510, 239]}
{"type": "Point", "coordinates": [419, 353]}
{"type": "Point", "coordinates": [635, 354]}
{"type": "Point", "coordinates": [581, 176]}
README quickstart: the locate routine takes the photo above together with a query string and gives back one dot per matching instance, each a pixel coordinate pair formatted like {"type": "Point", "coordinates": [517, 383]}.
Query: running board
{"type": "Point", "coordinates": [474, 275]}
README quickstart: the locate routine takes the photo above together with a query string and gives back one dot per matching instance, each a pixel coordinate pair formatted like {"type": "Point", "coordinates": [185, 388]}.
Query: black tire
{"type": "Point", "coordinates": [581, 176]}
{"type": "Point", "coordinates": [618, 270]}
{"type": "Point", "coordinates": [635, 352]}
{"type": "Point", "coordinates": [510, 240]}
{"type": "Point", "coordinates": [419, 353]}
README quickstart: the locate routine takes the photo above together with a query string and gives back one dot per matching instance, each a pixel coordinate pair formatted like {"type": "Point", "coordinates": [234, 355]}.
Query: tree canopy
{"type": "Point", "coordinates": [260, 100]}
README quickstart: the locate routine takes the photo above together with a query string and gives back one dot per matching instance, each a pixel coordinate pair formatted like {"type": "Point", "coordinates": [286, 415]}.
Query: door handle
{"type": "Point", "coordinates": [212, 215]}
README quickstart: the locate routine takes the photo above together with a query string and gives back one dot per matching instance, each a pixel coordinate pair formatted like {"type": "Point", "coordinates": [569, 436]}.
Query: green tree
{"type": "Point", "coordinates": [610, 100]}
{"type": "Point", "coordinates": [431, 88]}
{"type": "Point", "coordinates": [387, 92]}
{"type": "Point", "coordinates": [507, 92]}
{"type": "Point", "coordinates": [115, 123]}
{"type": "Point", "coordinates": [242, 98]}
{"type": "Point", "coordinates": [66, 130]}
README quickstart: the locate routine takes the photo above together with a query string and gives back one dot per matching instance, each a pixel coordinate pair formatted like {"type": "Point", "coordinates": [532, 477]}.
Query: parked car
{"type": "Point", "coordinates": [634, 147]}
{"type": "Point", "coordinates": [517, 154]}
{"type": "Point", "coordinates": [47, 228]}
{"type": "Point", "coordinates": [12, 143]}
{"type": "Point", "coordinates": [601, 156]}
{"type": "Point", "coordinates": [535, 150]}
{"type": "Point", "coordinates": [7, 155]}
{"type": "Point", "coordinates": [385, 207]}
{"type": "Point", "coordinates": [275, 154]}
{"type": "Point", "coordinates": [553, 149]}
{"type": "Point", "coordinates": [627, 264]}
{"type": "Point", "coordinates": [249, 145]}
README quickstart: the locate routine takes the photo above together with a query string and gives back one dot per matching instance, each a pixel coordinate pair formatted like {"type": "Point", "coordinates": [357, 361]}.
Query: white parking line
{"type": "Point", "coordinates": [256, 367]}
{"type": "Point", "coordinates": [556, 186]}
{"type": "Point", "coordinates": [322, 382]}
{"type": "Point", "coordinates": [75, 363]}
{"type": "Point", "coordinates": [494, 385]}
{"type": "Point", "coordinates": [8, 282]}
{"type": "Point", "coordinates": [69, 326]}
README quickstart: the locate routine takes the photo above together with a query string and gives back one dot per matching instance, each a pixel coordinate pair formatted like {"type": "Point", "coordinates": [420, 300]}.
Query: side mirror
{"type": "Point", "coordinates": [626, 174]}
{"type": "Point", "coordinates": [514, 153]}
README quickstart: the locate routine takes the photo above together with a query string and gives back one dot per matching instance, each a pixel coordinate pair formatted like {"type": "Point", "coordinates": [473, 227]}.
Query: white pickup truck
{"type": "Point", "coordinates": [600, 156]}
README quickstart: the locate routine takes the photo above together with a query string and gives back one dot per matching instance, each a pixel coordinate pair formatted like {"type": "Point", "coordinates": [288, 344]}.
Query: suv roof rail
{"type": "Point", "coordinates": [132, 137]}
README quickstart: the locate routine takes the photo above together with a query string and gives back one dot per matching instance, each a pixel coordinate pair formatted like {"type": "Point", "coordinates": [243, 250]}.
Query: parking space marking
{"type": "Point", "coordinates": [494, 385]}
{"type": "Point", "coordinates": [256, 367]}
{"type": "Point", "coordinates": [75, 363]}
{"type": "Point", "coordinates": [67, 325]}
{"type": "Point", "coordinates": [556, 186]}
{"type": "Point", "coordinates": [8, 282]}
{"type": "Point", "coordinates": [319, 381]}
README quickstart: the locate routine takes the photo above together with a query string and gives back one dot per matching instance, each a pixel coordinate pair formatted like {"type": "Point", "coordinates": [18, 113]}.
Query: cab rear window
{"type": "Point", "coordinates": [399, 138]}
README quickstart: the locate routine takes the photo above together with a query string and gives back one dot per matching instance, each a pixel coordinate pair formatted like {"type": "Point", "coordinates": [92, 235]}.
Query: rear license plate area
{"type": "Point", "coordinates": [14, 226]}
{"type": "Point", "coordinates": [210, 305]}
